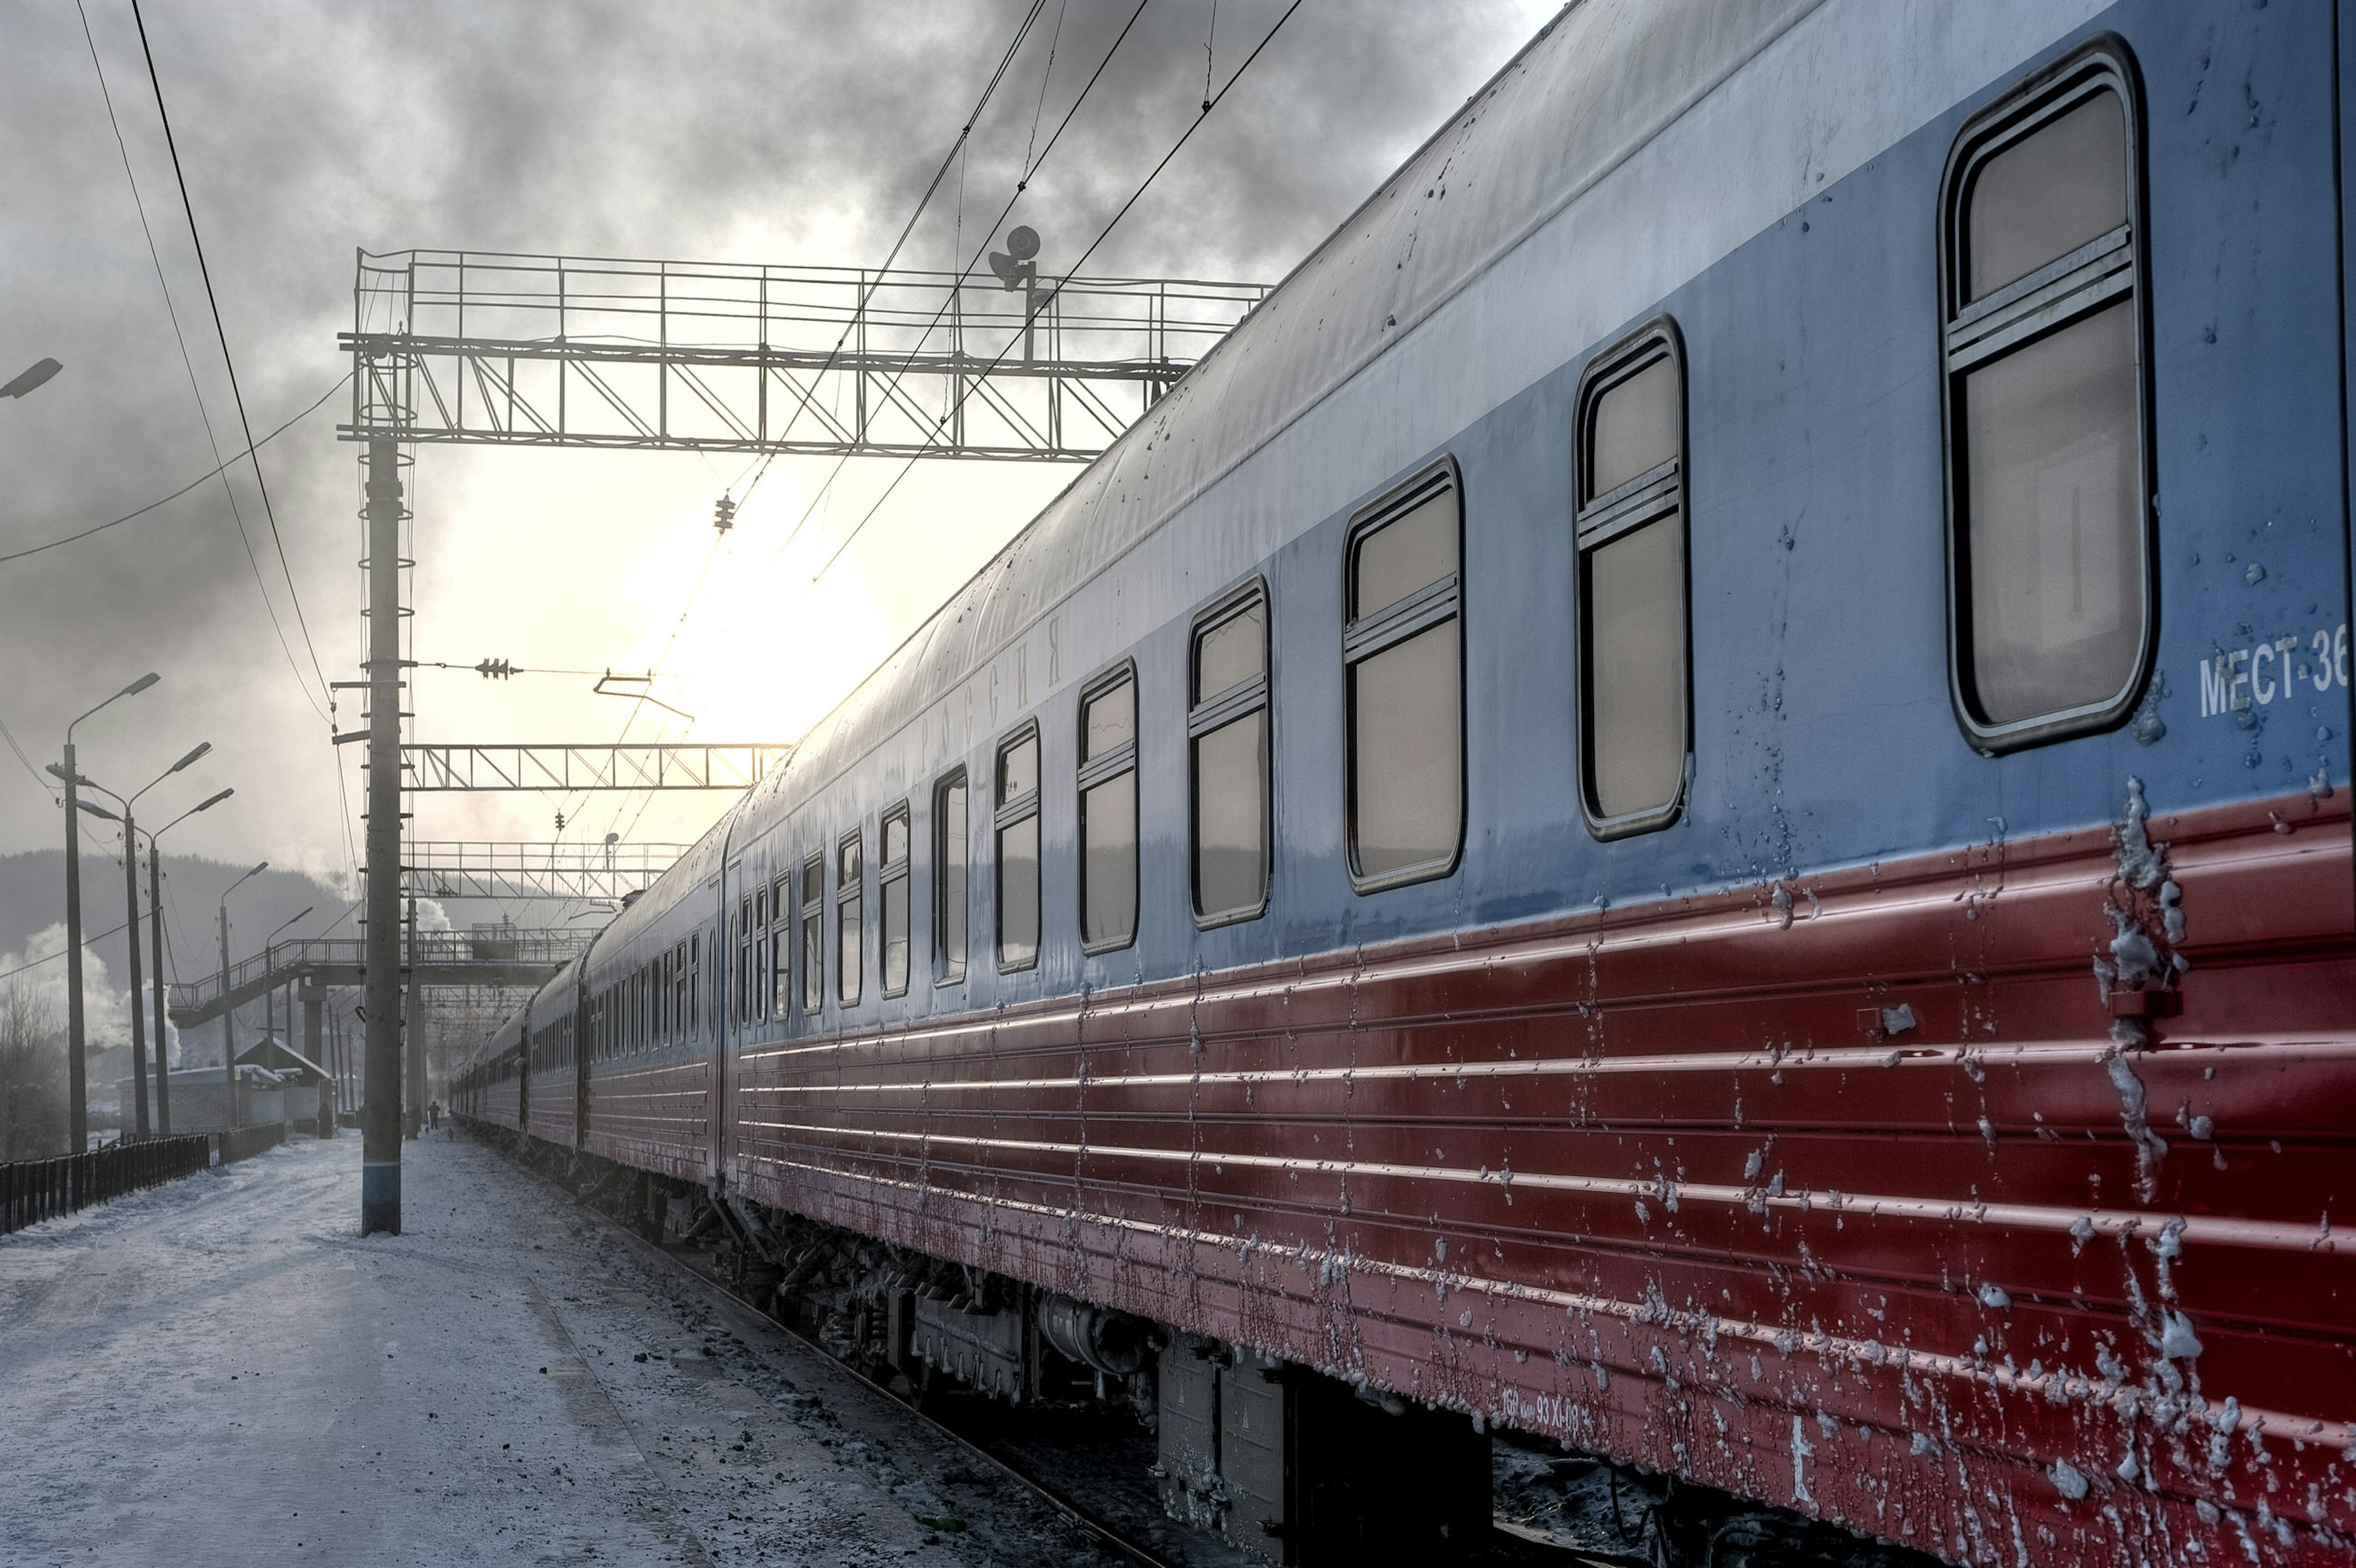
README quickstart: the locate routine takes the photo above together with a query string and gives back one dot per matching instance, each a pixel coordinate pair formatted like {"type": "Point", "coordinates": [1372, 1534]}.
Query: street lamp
{"type": "Point", "coordinates": [155, 949]}
{"type": "Point", "coordinates": [229, 1014]}
{"type": "Point", "coordinates": [130, 903]}
{"type": "Point", "coordinates": [77, 1098]}
{"type": "Point", "coordinates": [269, 996]}
{"type": "Point", "coordinates": [32, 376]}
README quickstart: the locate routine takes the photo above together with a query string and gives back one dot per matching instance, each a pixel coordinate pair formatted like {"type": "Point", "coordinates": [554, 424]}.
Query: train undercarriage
{"type": "Point", "coordinates": [1294, 1468]}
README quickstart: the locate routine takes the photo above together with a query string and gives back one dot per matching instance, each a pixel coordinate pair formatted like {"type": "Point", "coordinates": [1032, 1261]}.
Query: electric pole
{"type": "Point", "coordinates": [155, 962]}
{"type": "Point", "coordinates": [77, 1093]}
{"type": "Point", "coordinates": [381, 1126]}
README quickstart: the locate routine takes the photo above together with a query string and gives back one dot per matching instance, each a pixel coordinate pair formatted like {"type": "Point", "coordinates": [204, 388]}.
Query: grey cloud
{"type": "Point", "coordinates": [723, 130]}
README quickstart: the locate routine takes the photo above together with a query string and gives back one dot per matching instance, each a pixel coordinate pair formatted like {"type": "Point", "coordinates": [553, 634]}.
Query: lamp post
{"type": "Point", "coordinates": [269, 996]}
{"type": "Point", "coordinates": [76, 1091]}
{"type": "Point", "coordinates": [228, 1013]}
{"type": "Point", "coordinates": [156, 950]}
{"type": "Point", "coordinates": [131, 926]}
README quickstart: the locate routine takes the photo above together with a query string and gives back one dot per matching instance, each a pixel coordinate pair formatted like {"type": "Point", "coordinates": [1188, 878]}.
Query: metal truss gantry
{"type": "Point", "coordinates": [483, 869]}
{"type": "Point", "coordinates": [496, 348]}
{"type": "Point", "coordinates": [503, 349]}
{"type": "Point", "coordinates": [428, 768]}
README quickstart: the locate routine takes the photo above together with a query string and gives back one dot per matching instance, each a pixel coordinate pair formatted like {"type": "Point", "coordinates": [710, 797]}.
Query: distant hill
{"type": "Point", "coordinates": [33, 896]}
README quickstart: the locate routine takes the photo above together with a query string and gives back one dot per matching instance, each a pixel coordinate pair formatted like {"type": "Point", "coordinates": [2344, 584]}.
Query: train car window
{"type": "Point", "coordinates": [682, 996]}
{"type": "Point", "coordinates": [813, 935]}
{"type": "Point", "coordinates": [780, 960]}
{"type": "Point", "coordinates": [694, 979]}
{"type": "Point", "coordinates": [747, 933]}
{"type": "Point", "coordinates": [1633, 693]}
{"type": "Point", "coordinates": [766, 914]}
{"type": "Point", "coordinates": [1108, 790]}
{"type": "Point", "coordinates": [1402, 647]}
{"type": "Point", "coordinates": [2050, 574]}
{"type": "Point", "coordinates": [1227, 747]}
{"type": "Point", "coordinates": [891, 886]}
{"type": "Point", "coordinates": [949, 895]}
{"type": "Point", "coordinates": [1017, 821]}
{"type": "Point", "coordinates": [850, 960]}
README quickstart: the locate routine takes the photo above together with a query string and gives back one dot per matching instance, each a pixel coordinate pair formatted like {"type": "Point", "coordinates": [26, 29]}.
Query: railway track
{"type": "Point", "coordinates": [684, 1264]}
{"type": "Point", "coordinates": [1507, 1549]}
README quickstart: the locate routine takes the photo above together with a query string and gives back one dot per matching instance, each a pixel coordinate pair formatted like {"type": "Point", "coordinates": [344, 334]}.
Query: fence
{"type": "Point", "coordinates": [39, 1188]}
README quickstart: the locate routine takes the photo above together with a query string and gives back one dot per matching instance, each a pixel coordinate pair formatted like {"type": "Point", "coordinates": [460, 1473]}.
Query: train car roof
{"type": "Point", "coordinates": [1594, 86]}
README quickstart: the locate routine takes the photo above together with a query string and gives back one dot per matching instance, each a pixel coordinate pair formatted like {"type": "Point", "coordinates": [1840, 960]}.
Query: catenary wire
{"type": "Point", "coordinates": [7, 735]}
{"type": "Point", "coordinates": [953, 157]}
{"type": "Point", "coordinates": [236, 392]}
{"type": "Point", "coordinates": [1175, 147]}
{"type": "Point", "coordinates": [234, 457]}
{"type": "Point", "coordinates": [1021, 185]}
{"type": "Point", "coordinates": [204, 415]}
{"type": "Point", "coordinates": [1005, 62]}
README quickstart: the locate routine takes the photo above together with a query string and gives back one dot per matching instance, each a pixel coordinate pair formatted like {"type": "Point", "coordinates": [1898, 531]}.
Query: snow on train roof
{"type": "Point", "coordinates": [1597, 84]}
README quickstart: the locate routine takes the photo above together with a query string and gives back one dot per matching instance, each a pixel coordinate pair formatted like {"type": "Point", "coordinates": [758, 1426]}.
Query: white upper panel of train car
{"type": "Point", "coordinates": [1633, 144]}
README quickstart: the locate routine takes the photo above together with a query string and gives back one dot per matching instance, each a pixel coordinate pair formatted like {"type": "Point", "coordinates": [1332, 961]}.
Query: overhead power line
{"type": "Point", "coordinates": [1102, 234]}
{"type": "Point", "coordinates": [237, 392]}
{"type": "Point", "coordinates": [165, 500]}
{"type": "Point", "coordinates": [46, 787]}
{"type": "Point", "coordinates": [53, 958]}
{"type": "Point", "coordinates": [950, 159]}
{"type": "Point", "coordinates": [1005, 62]}
{"type": "Point", "coordinates": [1022, 184]}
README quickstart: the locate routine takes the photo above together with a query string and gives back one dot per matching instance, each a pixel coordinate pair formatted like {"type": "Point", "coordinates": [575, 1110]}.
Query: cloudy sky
{"type": "Point", "coordinates": [800, 131]}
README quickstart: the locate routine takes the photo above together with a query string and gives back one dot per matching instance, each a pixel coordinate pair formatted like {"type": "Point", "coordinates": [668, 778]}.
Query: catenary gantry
{"type": "Point", "coordinates": [495, 348]}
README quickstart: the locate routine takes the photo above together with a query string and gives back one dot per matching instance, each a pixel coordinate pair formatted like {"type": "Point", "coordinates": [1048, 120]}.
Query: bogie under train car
{"type": "Point", "coordinates": [1693, 798]}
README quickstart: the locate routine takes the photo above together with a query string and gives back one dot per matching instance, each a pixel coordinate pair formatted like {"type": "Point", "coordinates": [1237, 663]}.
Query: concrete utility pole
{"type": "Point", "coordinates": [156, 964]}
{"type": "Point", "coordinates": [412, 1035]}
{"type": "Point", "coordinates": [313, 1004]}
{"type": "Point", "coordinates": [155, 948]}
{"type": "Point", "coordinates": [131, 943]}
{"type": "Point", "coordinates": [229, 1014]}
{"type": "Point", "coordinates": [125, 816]}
{"type": "Point", "coordinates": [77, 1091]}
{"type": "Point", "coordinates": [380, 1128]}
{"type": "Point", "coordinates": [229, 1032]}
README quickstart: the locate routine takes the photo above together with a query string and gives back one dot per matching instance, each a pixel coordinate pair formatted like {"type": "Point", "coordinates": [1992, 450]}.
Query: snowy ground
{"type": "Point", "coordinates": [219, 1371]}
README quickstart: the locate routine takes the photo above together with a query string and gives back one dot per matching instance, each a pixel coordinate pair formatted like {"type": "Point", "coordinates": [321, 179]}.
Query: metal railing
{"type": "Point", "coordinates": [35, 1190]}
{"type": "Point", "coordinates": [439, 949]}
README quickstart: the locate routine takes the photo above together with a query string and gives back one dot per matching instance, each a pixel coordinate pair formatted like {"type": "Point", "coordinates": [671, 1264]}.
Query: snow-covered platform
{"type": "Point", "coordinates": [219, 1371]}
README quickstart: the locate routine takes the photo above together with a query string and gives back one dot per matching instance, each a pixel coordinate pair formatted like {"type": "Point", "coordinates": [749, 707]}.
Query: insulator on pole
{"type": "Point", "coordinates": [723, 514]}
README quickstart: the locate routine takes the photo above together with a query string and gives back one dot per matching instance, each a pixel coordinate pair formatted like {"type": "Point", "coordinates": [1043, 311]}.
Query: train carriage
{"type": "Point", "coordinates": [1694, 798]}
{"type": "Point", "coordinates": [650, 988]}
{"type": "Point", "coordinates": [491, 1083]}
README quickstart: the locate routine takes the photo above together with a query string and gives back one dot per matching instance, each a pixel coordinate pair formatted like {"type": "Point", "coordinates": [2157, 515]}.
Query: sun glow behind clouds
{"type": "Point", "coordinates": [591, 576]}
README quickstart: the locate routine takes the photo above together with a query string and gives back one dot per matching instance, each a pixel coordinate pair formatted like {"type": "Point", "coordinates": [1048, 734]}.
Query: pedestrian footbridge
{"type": "Point", "coordinates": [505, 957]}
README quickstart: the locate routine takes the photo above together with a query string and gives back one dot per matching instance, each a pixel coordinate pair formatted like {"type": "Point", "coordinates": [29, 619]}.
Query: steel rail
{"type": "Point", "coordinates": [1070, 1509]}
